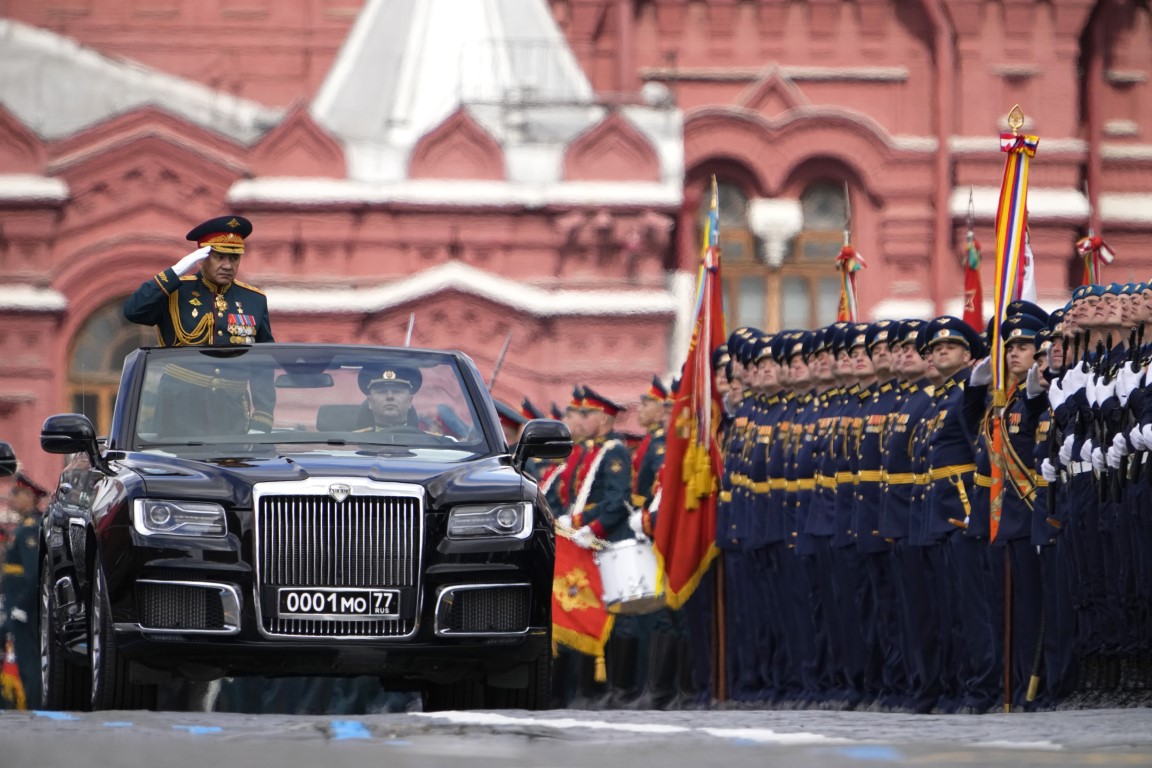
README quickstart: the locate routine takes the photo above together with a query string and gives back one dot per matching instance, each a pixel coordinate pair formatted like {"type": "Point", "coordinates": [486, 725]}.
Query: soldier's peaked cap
{"type": "Point", "coordinates": [223, 233]}
{"type": "Point", "coordinates": [390, 374]}
{"type": "Point", "coordinates": [949, 328]}
{"type": "Point", "coordinates": [1021, 307]}
{"type": "Point", "coordinates": [596, 401]}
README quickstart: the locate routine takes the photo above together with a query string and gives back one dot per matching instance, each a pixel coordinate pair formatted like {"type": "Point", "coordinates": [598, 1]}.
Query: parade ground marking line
{"type": "Point", "coordinates": [757, 735]}
{"type": "Point", "coordinates": [349, 729]}
{"type": "Point", "coordinates": [561, 723]}
{"type": "Point", "coordinates": [118, 725]}
{"type": "Point", "coordinates": [198, 730]}
{"type": "Point", "coordinates": [54, 715]}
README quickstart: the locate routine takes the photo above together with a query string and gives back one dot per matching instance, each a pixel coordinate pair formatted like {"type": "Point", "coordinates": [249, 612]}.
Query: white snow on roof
{"type": "Point", "coordinates": [1044, 203]}
{"type": "Point", "coordinates": [1126, 207]}
{"type": "Point", "coordinates": [466, 279]}
{"type": "Point", "coordinates": [57, 88]}
{"type": "Point", "coordinates": [28, 187]}
{"type": "Point", "coordinates": [33, 299]}
{"type": "Point", "coordinates": [453, 193]}
{"type": "Point", "coordinates": [409, 64]}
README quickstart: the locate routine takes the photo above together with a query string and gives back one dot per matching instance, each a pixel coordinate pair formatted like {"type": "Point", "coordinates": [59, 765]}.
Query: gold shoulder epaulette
{"type": "Point", "coordinates": [252, 288]}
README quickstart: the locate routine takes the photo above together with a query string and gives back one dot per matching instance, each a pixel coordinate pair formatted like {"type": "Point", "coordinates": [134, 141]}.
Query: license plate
{"type": "Point", "coordinates": [340, 603]}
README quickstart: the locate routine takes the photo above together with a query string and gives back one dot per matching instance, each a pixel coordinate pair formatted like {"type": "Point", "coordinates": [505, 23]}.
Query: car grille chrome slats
{"type": "Point", "coordinates": [315, 541]}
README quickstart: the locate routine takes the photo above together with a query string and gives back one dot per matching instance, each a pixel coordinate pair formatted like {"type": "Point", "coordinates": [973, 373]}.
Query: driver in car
{"type": "Point", "coordinates": [390, 394]}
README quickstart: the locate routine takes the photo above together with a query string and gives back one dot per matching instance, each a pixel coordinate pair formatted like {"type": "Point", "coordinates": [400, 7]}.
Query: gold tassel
{"type": "Point", "coordinates": [1033, 687]}
{"type": "Point", "coordinates": [601, 675]}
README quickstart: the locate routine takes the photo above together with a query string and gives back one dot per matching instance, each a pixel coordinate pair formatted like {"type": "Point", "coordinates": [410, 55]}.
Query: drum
{"type": "Point", "coordinates": [628, 572]}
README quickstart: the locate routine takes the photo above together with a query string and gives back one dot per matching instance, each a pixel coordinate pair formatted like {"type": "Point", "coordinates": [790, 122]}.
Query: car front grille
{"type": "Point", "coordinates": [316, 541]}
{"type": "Point", "coordinates": [486, 609]}
{"type": "Point", "coordinates": [179, 607]}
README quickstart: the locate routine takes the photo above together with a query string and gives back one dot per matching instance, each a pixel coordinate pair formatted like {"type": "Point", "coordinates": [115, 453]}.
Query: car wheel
{"type": "Point", "coordinates": [111, 686]}
{"type": "Point", "coordinates": [537, 695]}
{"type": "Point", "coordinates": [460, 695]}
{"type": "Point", "coordinates": [63, 684]}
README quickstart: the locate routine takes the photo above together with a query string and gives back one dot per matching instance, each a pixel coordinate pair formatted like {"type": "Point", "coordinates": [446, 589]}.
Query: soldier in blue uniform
{"type": "Point", "coordinates": [959, 562]}
{"type": "Point", "coordinates": [1013, 507]}
{"type": "Point", "coordinates": [199, 302]}
{"type": "Point", "coordinates": [21, 574]}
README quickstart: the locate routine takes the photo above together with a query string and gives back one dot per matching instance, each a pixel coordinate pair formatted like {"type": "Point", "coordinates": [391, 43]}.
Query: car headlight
{"type": "Point", "coordinates": [514, 520]}
{"type": "Point", "coordinates": [179, 518]}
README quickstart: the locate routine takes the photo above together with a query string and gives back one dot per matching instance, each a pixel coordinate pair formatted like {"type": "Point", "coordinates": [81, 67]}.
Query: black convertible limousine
{"type": "Point", "coordinates": [377, 523]}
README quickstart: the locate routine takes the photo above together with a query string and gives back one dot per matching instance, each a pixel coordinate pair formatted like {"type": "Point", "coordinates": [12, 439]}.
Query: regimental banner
{"type": "Point", "coordinates": [685, 533]}
{"type": "Point", "coordinates": [580, 619]}
{"type": "Point", "coordinates": [1011, 232]}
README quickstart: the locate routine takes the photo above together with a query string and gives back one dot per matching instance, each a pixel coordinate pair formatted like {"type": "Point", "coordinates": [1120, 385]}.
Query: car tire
{"type": "Point", "coordinates": [63, 684]}
{"type": "Point", "coordinates": [111, 686]}
{"type": "Point", "coordinates": [458, 695]}
{"type": "Point", "coordinates": [536, 696]}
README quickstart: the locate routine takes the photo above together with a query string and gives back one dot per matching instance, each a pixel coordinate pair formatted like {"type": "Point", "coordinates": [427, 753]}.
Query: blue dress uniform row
{"type": "Point", "coordinates": [895, 537]}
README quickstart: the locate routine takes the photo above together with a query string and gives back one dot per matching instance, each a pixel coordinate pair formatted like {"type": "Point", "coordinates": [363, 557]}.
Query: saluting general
{"type": "Point", "coordinates": [198, 302]}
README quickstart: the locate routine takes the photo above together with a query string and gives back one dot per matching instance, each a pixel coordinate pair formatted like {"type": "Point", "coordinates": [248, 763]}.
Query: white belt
{"type": "Point", "coordinates": [1079, 467]}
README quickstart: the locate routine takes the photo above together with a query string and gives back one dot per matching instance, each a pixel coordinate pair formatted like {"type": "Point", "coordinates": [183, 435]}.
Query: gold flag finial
{"type": "Point", "coordinates": [1016, 119]}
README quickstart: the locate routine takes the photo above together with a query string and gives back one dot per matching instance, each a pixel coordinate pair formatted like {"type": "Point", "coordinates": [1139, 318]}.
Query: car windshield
{"type": "Point", "coordinates": [271, 399]}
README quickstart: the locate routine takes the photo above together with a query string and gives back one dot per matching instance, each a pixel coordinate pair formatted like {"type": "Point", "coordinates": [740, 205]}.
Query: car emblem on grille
{"type": "Point", "coordinates": [339, 492]}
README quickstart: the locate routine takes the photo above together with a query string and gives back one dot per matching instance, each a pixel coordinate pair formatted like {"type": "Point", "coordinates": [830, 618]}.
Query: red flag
{"type": "Point", "coordinates": [11, 687]}
{"type": "Point", "coordinates": [686, 521]}
{"type": "Point", "coordinates": [579, 618]}
{"type": "Point", "coordinates": [973, 289]}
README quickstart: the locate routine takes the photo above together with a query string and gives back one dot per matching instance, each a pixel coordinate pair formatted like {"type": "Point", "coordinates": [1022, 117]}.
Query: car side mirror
{"type": "Point", "coordinates": [7, 460]}
{"type": "Point", "coordinates": [543, 439]}
{"type": "Point", "coordinates": [71, 433]}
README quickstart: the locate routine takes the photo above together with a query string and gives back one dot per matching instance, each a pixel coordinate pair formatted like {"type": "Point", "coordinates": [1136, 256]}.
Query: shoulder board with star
{"type": "Point", "coordinates": [252, 288]}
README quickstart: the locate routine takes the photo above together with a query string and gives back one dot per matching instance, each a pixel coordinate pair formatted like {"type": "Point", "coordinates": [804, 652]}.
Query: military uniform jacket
{"type": "Point", "coordinates": [897, 459]}
{"type": "Point", "coordinates": [1045, 524]}
{"type": "Point", "coordinates": [825, 455]}
{"type": "Point", "coordinates": [775, 439]}
{"type": "Point", "coordinates": [646, 465]}
{"type": "Point", "coordinates": [190, 311]}
{"type": "Point", "coordinates": [605, 490]}
{"type": "Point", "coordinates": [802, 474]}
{"type": "Point", "coordinates": [951, 461]}
{"type": "Point", "coordinates": [21, 569]}
{"type": "Point", "coordinates": [848, 437]}
{"type": "Point", "coordinates": [730, 506]}
{"type": "Point", "coordinates": [874, 414]}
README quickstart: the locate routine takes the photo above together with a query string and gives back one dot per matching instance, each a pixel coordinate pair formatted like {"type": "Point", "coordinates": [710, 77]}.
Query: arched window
{"type": "Point", "coordinates": [804, 291]}
{"type": "Point", "coordinates": [97, 359]}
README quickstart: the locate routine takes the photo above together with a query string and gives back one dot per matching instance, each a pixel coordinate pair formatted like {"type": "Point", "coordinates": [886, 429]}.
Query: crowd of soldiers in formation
{"type": "Point", "coordinates": [901, 529]}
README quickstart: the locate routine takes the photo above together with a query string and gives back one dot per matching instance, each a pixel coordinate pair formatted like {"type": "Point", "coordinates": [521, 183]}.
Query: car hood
{"type": "Point", "coordinates": [230, 480]}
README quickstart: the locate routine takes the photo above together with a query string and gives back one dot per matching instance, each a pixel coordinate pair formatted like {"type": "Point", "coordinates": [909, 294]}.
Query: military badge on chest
{"type": "Point", "coordinates": [241, 328]}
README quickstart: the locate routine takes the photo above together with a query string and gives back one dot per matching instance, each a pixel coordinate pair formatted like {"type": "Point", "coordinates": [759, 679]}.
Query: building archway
{"type": "Point", "coordinates": [96, 359]}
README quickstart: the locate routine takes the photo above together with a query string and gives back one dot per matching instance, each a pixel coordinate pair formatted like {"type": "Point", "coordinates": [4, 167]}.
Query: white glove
{"type": "Point", "coordinates": [1127, 381]}
{"type": "Point", "coordinates": [564, 521]}
{"type": "Point", "coordinates": [1120, 443]}
{"type": "Point", "coordinates": [1047, 471]}
{"type": "Point", "coordinates": [1065, 455]}
{"type": "Point", "coordinates": [981, 373]}
{"type": "Point", "coordinates": [1104, 390]}
{"type": "Point", "coordinates": [636, 523]}
{"type": "Point", "coordinates": [1086, 451]}
{"type": "Point", "coordinates": [1098, 462]}
{"type": "Point", "coordinates": [18, 614]}
{"type": "Point", "coordinates": [1113, 457]}
{"type": "Point", "coordinates": [1057, 394]}
{"type": "Point", "coordinates": [1146, 431]}
{"type": "Point", "coordinates": [1034, 382]}
{"type": "Point", "coordinates": [583, 537]}
{"type": "Point", "coordinates": [191, 260]}
{"type": "Point", "coordinates": [1136, 437]}
{"type": "Point", "coordinates": [1075, 378]}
